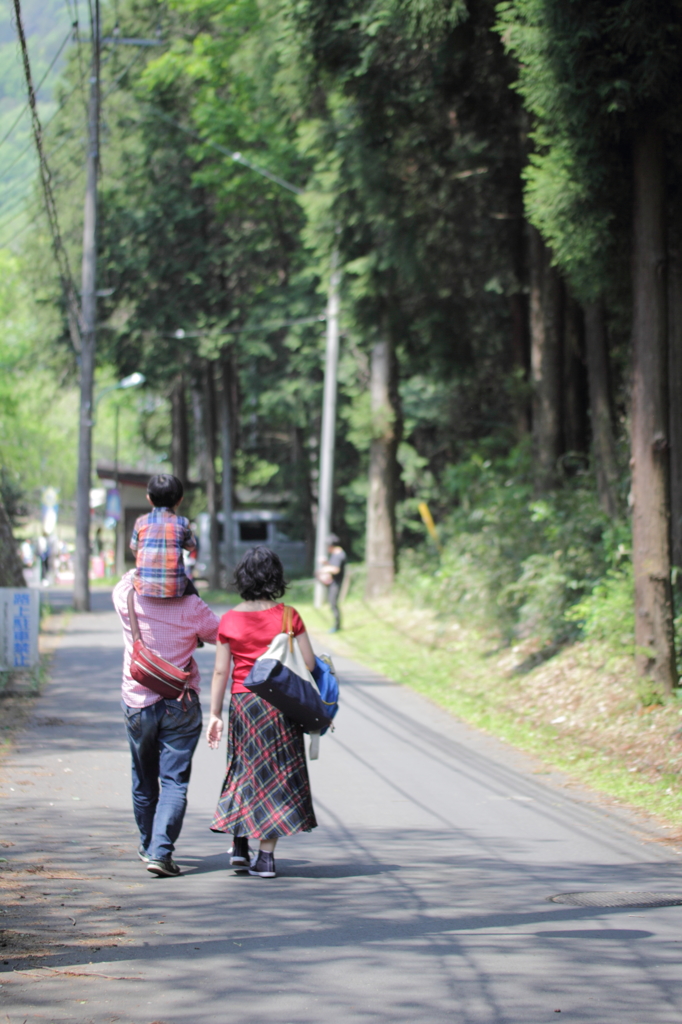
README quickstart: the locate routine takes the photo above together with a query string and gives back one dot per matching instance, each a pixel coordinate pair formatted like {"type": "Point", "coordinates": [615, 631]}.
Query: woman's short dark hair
{"type": "Point", "coordinates": [260, 576]}
{"type": "Point", "coordinates": [165, 490]}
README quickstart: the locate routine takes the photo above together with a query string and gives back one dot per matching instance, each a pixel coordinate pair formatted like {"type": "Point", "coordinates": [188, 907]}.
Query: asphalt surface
{"type": "Point", "coordinates": [421, 897]}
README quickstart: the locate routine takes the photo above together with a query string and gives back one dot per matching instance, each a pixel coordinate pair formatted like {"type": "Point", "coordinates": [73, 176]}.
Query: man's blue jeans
{"type": "Point", "coordinates": [162, 738]}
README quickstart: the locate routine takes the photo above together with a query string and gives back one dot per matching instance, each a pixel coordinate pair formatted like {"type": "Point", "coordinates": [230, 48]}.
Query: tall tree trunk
{"type": "Point", "coordinates": [179, 437]}
{"type": "Point", "coordinates": [235, 398]}
{"type": "Point", "coordinates": [518, 310]}
{"type": "Point", "coordinates": [601, 411]}
{"type": "Point", "coordinates": [302, 484]}
{"type": "Point", "coordinates": [519, 315]}
{"type": "Point", "coordinates": [675, 400]}
{"type": "Point", "coordinates": [383, 469]}
{"type": "Point", "coordinates": [203, 409]}
{"type": "Point", "coordinates": [226, 449]}
{"type": "Point", "coordinates": [655, 651]}
{"type": "Point", "coordinates": [545, 360]}
{"type": "Point", "coordinates": [575, 378]}
{"type": "Point", "coordinates": [11, 573]}
{"type": "Point", "coordinates": [211, 483]}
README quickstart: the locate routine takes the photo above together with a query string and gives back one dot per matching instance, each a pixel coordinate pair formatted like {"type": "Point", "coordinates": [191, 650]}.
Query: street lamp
{"type": "Point", "coordinates": [133, 380]}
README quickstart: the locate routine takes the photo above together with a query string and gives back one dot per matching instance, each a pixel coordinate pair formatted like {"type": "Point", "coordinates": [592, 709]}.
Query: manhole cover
{"type": "Point", "coordinates": [618, 899]}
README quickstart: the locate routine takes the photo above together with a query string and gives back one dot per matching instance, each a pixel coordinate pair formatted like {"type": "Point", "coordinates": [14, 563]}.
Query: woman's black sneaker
{"type": "Point", "coordinates": [263, 865]}
{"type": "Point", "coordinates": [240, 854]}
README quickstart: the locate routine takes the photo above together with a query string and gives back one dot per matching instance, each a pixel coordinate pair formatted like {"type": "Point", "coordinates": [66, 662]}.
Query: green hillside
{"type": "Point", "coordinates": [46, 23]}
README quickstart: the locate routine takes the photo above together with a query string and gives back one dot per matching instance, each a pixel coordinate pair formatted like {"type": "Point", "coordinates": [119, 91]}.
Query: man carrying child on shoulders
{"type": "Point", "coordinates": [172, 619]}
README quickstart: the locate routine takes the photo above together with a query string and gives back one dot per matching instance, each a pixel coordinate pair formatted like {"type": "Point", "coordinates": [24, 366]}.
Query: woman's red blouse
{"type": "Point", "coordinates": [249, 635]}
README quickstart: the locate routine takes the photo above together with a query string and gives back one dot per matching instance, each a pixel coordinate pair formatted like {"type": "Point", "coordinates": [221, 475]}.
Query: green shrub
{"type": "Point", "coordinates": [607, 612]}
{"type": "Point", "coordinates": [540, 596]}
{"type": "Point", "coordinates": [514, 562]}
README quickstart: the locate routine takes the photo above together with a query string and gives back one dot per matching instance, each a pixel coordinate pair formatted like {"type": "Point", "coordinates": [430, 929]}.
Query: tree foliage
{"type": "Point", "coordinates": [422, 140]}
{"type": "Point", "coordinates": [591, 75]}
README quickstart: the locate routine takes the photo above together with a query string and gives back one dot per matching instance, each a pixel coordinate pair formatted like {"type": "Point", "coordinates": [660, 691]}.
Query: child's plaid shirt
{"type": "Point", "coordinates": [158, 541]}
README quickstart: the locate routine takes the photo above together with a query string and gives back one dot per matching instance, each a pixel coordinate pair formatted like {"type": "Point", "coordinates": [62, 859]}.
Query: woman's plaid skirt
{"type": "Point", "coordinates": [266, 792]}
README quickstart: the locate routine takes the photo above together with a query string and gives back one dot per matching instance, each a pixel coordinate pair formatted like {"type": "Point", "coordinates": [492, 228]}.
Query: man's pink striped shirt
{"type": "Point", "coordinates": [169, 627]}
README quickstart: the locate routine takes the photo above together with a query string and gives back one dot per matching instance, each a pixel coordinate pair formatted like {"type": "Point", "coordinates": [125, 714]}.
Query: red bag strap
{"type": "Point", "coordinates": [134, 624]}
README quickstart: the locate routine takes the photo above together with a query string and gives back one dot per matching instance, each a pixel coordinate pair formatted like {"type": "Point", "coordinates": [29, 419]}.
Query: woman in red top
{"type": "Point", "coordinates": [266, 793]}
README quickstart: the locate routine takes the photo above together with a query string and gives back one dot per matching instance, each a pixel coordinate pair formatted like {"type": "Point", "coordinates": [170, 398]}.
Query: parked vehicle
{"type": "Point", "coordinates": [250, 528]}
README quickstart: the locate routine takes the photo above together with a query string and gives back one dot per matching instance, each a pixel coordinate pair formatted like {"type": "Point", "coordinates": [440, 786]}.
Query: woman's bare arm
{"type": "Point", "coordinates": [306, 650]}
{"type": "Point", "coordinates": [221, 673]}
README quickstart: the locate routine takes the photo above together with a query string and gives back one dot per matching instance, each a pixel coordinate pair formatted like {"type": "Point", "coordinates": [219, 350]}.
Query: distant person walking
{"type": "Point", "coordinates": [162, 733]}
{"type": "Point", "coordinates": [266, 792]}
{"type": "Point", "coordinates": [331, 573]}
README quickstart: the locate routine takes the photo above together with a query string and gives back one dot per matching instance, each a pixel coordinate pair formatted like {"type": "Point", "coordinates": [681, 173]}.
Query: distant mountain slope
{"type": "Point", "coordinates": [47, 23]}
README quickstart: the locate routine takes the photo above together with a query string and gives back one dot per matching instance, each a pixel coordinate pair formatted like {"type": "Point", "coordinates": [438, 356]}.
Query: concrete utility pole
{"type": "Point", "coordinates": [81, 590]}
{"type": "Point", "coordinates": [226, 455]}
{"type": "Point", "coordinates": [328, 438]}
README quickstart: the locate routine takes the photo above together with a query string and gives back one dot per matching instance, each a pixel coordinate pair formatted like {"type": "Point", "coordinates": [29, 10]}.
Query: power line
{"type": "Point", "coordinates": [233, 154]}
{"type": "Point", "coordinates": [60, 252]}
{"type": "Point", "coordinates": [81, 69]}
{"type": "Point", "coordinates": [120, 76]}
{"type": "Point", "coordinates": [272, 325]}
{"type": "Point", "coordinates": [129, 41]}
{"type": "Point", "coordinates": [12, 204]}
{"type": "Point", "coordinates": [18, 200]}
{"type": "Point", "coordinates": [68, 136]}
{"type": "Point", "coordinates": [14, 216]}
{"type": "Point", "coordinates": [23, 186]}
{"type": "Point", "coordinates": [45, 127]}
{"type": "Point", "coordinates": [11, 238]}
{"type": "Point", "coordinates": [38, 87]}
{"type": "Point", "coordinates": [35, 205]}
{"type": "Point", "coordinates": [4, 220]}
{"type": "Point", "coordinates": [73, 13]}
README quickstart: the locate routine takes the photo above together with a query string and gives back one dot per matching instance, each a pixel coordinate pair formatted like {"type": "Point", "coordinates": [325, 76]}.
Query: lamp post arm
{"type": "Point", "coordinates": [105, 391]}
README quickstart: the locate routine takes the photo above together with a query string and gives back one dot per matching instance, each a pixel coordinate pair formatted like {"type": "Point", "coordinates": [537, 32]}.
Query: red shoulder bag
{"type": "Point", "coordinates": [151, 670]}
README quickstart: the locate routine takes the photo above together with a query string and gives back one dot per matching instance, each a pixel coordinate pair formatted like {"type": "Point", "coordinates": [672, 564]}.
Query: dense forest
{"type": "Point", "coordinates": [498, 184]}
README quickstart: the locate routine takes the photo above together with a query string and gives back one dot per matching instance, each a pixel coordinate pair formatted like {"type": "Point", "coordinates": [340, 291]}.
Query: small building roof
{"type": "Point", "coordinates": [130, 477]}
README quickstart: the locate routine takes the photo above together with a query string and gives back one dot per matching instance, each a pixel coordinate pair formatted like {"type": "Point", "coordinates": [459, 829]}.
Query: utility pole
{"type": "Point", "coordinates": [328, 438]}
{"type": "Point", "coordinates": [226, 455]}
{"type": "Point", "coordinates": [81, 593]}
{"type": "Point", "coordinates": [119, 528]}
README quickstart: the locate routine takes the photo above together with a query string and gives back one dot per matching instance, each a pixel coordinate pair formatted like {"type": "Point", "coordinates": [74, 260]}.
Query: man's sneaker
{"type": "Point", "coordinates": [263, 865]}
{"type": "Point", "coordinates": [142, 854]}
{"type": "Point", "coordinates": [165, 868]}
{"type": "Point", "coordinates": [240, 854]}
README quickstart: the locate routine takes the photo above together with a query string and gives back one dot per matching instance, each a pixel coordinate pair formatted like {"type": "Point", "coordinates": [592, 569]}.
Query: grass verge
{"type": "Point", "coordinates": [20, 689]}
{"type": "Point", "coordinates": [579, 710]}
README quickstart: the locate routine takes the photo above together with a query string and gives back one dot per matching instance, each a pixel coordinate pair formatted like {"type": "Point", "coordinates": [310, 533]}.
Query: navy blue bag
{"type": "Point", "coordinates": [327, 684]}
{"type": "Point", "coordinates": [281, 677]}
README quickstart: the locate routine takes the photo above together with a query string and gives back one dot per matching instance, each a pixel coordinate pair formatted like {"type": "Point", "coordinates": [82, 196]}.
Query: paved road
{"type": "Point", "coordinates": [421, 898]}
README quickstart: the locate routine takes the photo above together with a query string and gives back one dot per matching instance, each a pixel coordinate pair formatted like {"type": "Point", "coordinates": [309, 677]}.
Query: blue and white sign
{"type": "Point", "coordinates": [19, 627]}
{"type": "Point", "coordinates": [113, 504]}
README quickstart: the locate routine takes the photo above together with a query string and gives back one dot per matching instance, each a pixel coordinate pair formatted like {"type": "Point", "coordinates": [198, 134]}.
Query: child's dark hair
{"type": "Point", "coordinates": [260, 576]}
{"type": "Point", "coordinates": [165, 490]}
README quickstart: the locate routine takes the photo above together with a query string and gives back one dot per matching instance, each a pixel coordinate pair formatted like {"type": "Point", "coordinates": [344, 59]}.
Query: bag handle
{"type": "Point", "coordinates": [288, 624]}
{"type": "Point", "coordinates": [134, 624]}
